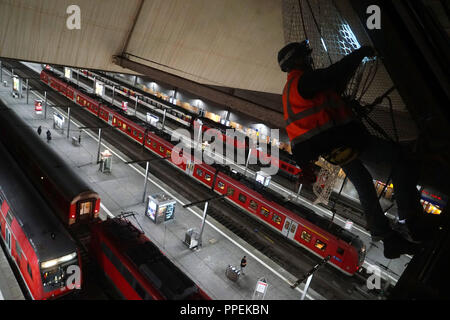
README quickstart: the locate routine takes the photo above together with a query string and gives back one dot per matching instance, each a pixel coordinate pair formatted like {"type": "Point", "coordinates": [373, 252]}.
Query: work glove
{"type": "Point", "coordinates": [308, 174]}
{"type": "Point", "coordinates": [368, 51]}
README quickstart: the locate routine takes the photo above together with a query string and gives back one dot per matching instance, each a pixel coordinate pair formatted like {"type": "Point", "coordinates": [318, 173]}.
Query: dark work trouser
{"type": "Point", "coordinates": [378, 154]}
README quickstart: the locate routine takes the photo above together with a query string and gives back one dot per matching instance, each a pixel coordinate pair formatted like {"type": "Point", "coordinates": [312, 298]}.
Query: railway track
{"type": "Point", "coordinates": [344, 207]}
{"type": "Point", "coordinates": [328, 282]}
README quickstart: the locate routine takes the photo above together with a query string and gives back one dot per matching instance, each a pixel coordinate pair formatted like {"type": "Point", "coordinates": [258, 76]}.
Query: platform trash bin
{"type": "Point", "coordinates": [191, 238]}
{"type": "Point", "coordinates": [75, 141]}
{"type": "Point", "coordinates": [232, 273]}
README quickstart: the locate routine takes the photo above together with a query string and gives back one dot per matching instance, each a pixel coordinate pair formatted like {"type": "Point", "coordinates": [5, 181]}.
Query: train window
{"type": "Point", "coordinates": [340, 251]}
{"type": "Point", "coordinates": [9, 217]}
{"type": "Point", "coordinates": [29, 271]}
{"type": "Point", "coordinates": [293, 228]}
{"type": "Point", "coordinates": [140, 135]}
{"type": "Point", "coordinates": [85, 207]}
{"type": "Point", "coordinates": [230, 191]}
{"type": "Point", "coordinates": [126, 274]}
{"type": "Point", "coordinates": [253, 204]}
{"type": "Point", "coordinates": [124, 126]}
{"type": "Point", "coordinates": [18, 250]}
{"type": "Point", "coordinates": [287, 224]}
{"type": "Point", "coordinates": [106, 250]}
{"type": "Point", "coordinates": [207, 177]}
{"type": "Point", "coordinates": [242, 198]}
{"type": "Point", "coordinates": [129, 129]}
{"type": "Point", "coordinates": [199, 172]}
{"type": "Point", "coordinates": [134, 133]}
{"type": "Point", "coordinates": [264, 212]}
{"type": "Point", "coordinates": [168, 153]}
{"type": "Point", "coordinates": [276, 218]}
{"type": "Point", "coordinates": [320, 245]}
{"type": "Point", "coordinates": [161, 148]}
{"type": "Point", "coordinates": [114, 121]}
{"type": "Point", "coordinates": [306, 236]}
{"type": "Point", "coordinates": [149, 141]}
{"type": "Point", "coordinates": [221, 185]}
{"type": "Point", "coordinates": [154, 144]}
{"type": "Point", "coordinates": [139, 290]}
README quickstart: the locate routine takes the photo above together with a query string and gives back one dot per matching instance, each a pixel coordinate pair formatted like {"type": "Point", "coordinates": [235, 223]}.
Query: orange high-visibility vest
{"type": "Point", "coordinates": [306, 118]}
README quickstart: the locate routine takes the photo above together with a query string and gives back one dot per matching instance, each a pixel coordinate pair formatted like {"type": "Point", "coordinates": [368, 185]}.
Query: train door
{"type": "Point", "coordinates": [289, 229]}
{"type": "Point", "coordinates": [189, 167]}
{"type": "Point", "coordinates": [8, 238]}
{"type": "Point", "coordinates": [110, 119]}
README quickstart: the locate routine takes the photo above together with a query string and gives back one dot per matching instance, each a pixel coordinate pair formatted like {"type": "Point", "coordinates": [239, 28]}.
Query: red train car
{"type": "Point", "coordinates": [70, 196]}
{"type": "Point", "coordinates": [136, 267]}
{"type": "Point", "coordinates": [189, 119]}
{"type": "Point", "coordinates": [38, 244]}
{"type": "Point", "coordinates": [347, 251]}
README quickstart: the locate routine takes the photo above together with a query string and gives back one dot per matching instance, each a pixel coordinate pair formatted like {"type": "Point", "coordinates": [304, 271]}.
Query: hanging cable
{"type": "Point", "coordinates": [303, 19]}
{"type": "Point", "coordinates": [318, 29]}
{"type": "Point", "coordinates": [368, 83]}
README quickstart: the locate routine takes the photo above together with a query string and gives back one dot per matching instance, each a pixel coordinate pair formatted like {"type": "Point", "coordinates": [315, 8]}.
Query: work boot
{"type": "Point", "coordinates": [395, 245]}
{"type": "Point", "coordinates": [403, 229]}
{"type": "Point", "coordinates": [424, 227]}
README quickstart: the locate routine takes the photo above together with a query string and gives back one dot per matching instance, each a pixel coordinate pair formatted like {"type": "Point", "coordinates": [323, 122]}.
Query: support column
{"type": "Point", "coordinates": [99, 144]}
{"type": "Point", "coordinates": [145, 182]}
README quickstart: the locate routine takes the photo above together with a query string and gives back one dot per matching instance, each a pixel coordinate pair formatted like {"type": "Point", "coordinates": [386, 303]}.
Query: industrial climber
{"type": "Point", "coordinates": [320, 122]}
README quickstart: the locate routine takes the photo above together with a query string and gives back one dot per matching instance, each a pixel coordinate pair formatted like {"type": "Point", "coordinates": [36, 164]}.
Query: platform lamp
{"type": "Point", "coordinates": [147, 161]}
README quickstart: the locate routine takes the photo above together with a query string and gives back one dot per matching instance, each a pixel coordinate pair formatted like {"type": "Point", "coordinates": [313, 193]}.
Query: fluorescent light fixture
{"type": "Point", "coordinates": [323, 43]}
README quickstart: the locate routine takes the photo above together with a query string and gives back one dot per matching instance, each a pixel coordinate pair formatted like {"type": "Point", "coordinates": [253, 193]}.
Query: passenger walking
{"type": "Point", "coordinates": [49, 136]}
{"type": "Point", "coordinates": [39, 130]}
{"type": "Point", "coordinates": [243, 264]}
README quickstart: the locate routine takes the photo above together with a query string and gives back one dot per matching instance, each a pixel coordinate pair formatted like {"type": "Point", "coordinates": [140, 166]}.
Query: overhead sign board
{"type": "Point", "coordinates": [67, 73]}
{"type": "Point", "coordinates": [99, 88]}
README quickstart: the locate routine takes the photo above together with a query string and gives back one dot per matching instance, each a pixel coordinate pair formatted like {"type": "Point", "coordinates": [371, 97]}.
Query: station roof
{"type": "Point", "coordinates": [197, 45]}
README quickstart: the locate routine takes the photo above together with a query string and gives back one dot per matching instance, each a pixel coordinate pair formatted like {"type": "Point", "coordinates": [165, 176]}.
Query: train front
{"type": "Point", "coordinates": [61, 273]}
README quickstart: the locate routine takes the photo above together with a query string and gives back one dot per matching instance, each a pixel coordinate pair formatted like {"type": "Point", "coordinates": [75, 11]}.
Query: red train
{"type": "Point", "coordinates": [285, 162]}
{"type": "Point", "coordinates": [346, 250]}
{"type": "Point", "coordinates": [36, 241]}
{"type": "Point", "coordinates": [71, 198]}
{"type": "Point", "coordinates": [136, 267]}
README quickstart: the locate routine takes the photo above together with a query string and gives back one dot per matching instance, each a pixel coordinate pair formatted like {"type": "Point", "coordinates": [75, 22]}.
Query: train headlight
{"type": "Point", "coordinates": [54, 262]}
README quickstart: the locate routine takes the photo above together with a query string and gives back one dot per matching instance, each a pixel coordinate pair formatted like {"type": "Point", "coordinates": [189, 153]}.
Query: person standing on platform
{"type": "Point", "coordinates": [243, 264]}
{"type": "Point", "coordinates": [39, 130]}
{"type": "Point", "coordinates": [49, 136]}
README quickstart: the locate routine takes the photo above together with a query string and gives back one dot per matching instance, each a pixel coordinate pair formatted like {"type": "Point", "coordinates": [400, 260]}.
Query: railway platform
{"type": "Point", "coordinates": [9, 287]}
{"type": "Point", "coordinates": [390, 269]}
{"type": "Point", "coordinates": [121, 191]}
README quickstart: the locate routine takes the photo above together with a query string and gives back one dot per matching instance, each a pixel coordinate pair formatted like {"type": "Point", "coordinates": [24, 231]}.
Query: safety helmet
{"type": "Point", "coordinates": [290, 52]}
